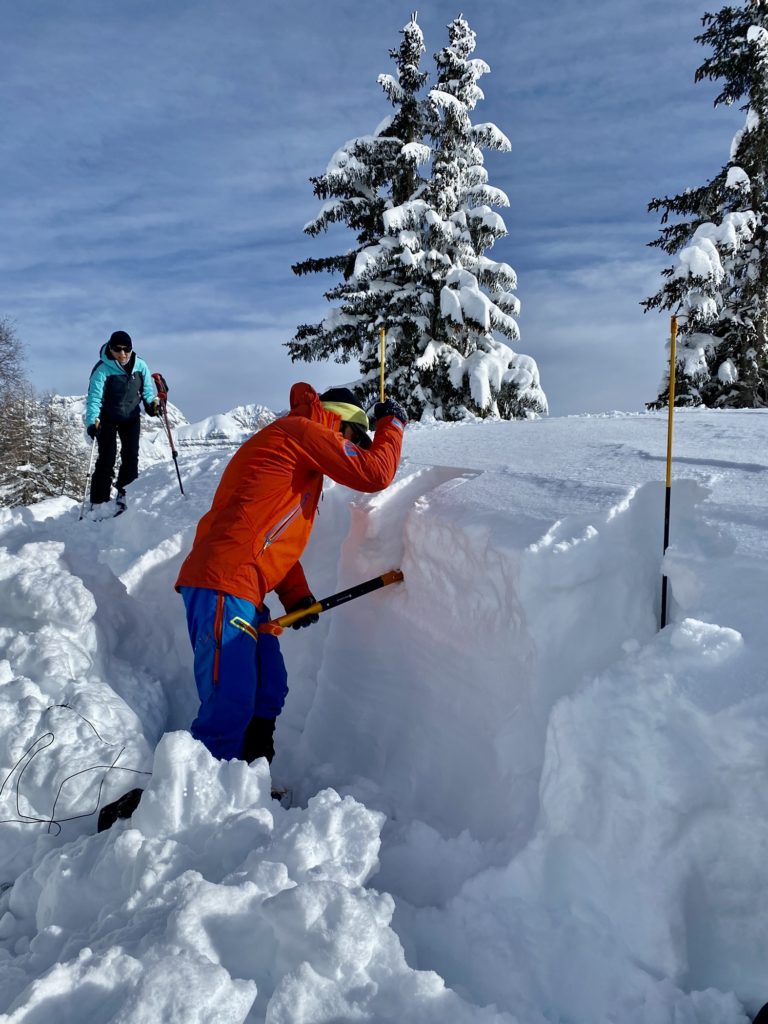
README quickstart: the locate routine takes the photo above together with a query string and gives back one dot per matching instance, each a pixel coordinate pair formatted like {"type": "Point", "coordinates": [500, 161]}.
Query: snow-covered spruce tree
{"type": "Point", "coordinates": [367, 177]}
{"type": "Point", "coordinates": [419, 267]}
{"type": "Point", "coordinates": [468, 369]}
{"type": "Point", "coordinates": [719, 285]}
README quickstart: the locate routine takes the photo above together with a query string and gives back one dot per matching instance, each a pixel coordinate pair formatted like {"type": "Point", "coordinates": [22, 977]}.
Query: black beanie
{"type": "Point", "coordinates": [121, 338]}
{"type": "Point", "coordinates": [351, 410]}
{"type": "Point", "coordinates": [343, 395]}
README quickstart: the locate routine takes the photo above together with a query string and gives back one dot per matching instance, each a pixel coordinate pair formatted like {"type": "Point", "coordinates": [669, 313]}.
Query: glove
{"type": "Point", "coordinates": [152, 408]}
{"type": "Point", "coordinates": [389, 407]}
{"type": "Point", "coordinates": [92, 430]}
{"type": "Point", "coordinates": [308, 620]}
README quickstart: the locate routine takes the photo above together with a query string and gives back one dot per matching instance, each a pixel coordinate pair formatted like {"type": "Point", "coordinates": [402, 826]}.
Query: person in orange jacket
{"type": "Point", "coordinates": [249, 544]}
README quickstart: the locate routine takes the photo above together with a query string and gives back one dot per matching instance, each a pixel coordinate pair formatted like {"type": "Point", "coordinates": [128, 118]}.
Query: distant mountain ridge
{"type": "Point", "coordinates": [234, 426]}
{"type": "Point", "coordinates": [74, 407]}
{"type": "Point", "coordinates": [231, 427]}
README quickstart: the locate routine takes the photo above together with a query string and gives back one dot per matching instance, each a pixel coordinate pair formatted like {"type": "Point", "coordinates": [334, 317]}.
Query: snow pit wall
{"type": "Point", "coordinates": [484, 636]}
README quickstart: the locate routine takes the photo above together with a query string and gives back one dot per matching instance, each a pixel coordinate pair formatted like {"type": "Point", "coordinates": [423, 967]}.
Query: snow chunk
{"type": "Point", "coordinates": [738, 179]}
{"type": "Point", "coordinates": [42, 590]}
{"type": "Point", "coordinates": [727, 372]}
{"type": "Point", "coordinates": [450, 306]}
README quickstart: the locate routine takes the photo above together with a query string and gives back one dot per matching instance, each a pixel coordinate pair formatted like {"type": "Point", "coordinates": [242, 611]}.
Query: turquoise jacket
{"type": "Point", "coordinates": [115, 392]}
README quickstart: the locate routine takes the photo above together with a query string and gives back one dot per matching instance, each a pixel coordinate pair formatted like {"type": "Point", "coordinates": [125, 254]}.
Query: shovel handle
{"type": "Point", "coordinates": [276, 626]}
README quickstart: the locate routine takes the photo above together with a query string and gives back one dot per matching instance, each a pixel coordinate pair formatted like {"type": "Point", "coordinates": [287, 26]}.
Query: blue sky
{"type": "Point", "coordinates": [157, 156]}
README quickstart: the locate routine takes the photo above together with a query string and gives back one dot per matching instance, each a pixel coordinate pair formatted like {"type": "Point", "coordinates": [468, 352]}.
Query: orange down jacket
{"type": "Point", "coordinates": [252, 538]}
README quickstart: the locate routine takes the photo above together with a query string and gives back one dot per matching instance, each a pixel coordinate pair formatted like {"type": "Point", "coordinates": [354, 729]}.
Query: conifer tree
{"type": "Point", "coordinates": [42, 453]}
{"type": "Point", "coordinates": [719, 285]}
{"type": "Point", "coordinates": [470, 369]}
{"type": "Point", "coordinates": [365, 178]}
{"type": "Point", "coordinates": [14, 405]}
{"type": "Point", "coordinates": [417, 194]}
{"type": "Point", "coordinates": [19, 471]}
{"type": "Point", "coordinates": [59, 449]}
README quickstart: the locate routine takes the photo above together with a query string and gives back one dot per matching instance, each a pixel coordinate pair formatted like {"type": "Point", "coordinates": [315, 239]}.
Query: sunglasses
{"type": "Point", "coordinates": [120, 348]}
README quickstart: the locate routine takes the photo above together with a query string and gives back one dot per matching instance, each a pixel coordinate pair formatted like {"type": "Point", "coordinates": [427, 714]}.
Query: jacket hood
{"type": "Point", "coordinates": [305, 401]}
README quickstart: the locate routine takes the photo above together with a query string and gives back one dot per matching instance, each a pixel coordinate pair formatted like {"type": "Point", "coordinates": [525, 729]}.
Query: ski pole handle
{"type": "Point", "coordinates": [160, 386]}
{"type": "Point", "coordinates": [276, 626]}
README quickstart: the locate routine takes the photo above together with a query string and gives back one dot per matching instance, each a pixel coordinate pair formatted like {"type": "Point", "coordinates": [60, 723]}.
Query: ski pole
{"type": "Point", "coordinates": [276, 626]}
{"type": "Point", "coordinates": [88, 478]}
{"type": "Point", "coordinates": [668, 490]}
{"type": "Point", "coordinates": [162, 395]}
{"type": "Point", "coordinates": [174, 453]}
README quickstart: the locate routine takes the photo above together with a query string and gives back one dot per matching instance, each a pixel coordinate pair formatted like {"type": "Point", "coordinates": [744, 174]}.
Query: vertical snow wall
{"type": "Point", "coordinates": [433, 697]}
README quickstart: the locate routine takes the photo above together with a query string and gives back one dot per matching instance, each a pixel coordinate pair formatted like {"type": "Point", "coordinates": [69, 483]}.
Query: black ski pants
{"type": "Point", "coordinates": [109, 431]}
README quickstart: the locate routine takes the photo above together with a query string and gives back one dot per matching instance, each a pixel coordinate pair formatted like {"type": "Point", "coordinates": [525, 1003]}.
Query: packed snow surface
{"type": "Point", "coordinates": [514, 798]}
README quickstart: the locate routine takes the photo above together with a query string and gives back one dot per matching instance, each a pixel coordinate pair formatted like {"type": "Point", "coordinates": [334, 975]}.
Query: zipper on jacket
{"type": "Point", "coordinates": [279, 528]}
{"type": "Point", "coordinates": [218, 627]}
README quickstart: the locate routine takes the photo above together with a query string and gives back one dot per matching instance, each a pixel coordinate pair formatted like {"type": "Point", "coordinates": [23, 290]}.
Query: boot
{"type": "Point", "coordinates": [258, 740]}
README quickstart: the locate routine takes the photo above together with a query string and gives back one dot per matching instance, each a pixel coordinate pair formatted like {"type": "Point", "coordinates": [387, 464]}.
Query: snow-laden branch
{"type": "Point", "coordinates": [491, 137]}
{"type": "Point", "coordinates": [392, 88]}
{"type": "Point", "coordinates": [701, 259]}
{"type": "Point", "coordinates": [487, 194]}
{"type": "Point", "coordinates": [444, 100]}
{"type": "Point", "coordinates": [417, 151]}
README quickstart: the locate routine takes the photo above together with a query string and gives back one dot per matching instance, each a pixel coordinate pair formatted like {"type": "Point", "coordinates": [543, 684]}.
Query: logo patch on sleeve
{"type": "Point", "coordinates": [351, 449]}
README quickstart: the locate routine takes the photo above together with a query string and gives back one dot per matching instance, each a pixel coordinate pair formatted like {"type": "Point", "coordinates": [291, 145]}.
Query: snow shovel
{"type": "Point", "coordinates": [276, 626]}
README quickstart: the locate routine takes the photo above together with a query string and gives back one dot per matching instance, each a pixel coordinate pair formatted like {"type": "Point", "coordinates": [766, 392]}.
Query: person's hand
{"type": "Point", "coordinates": [92, 430]}
{"type": "Point", "coordinates": [307, 620]}
{"type": "Point", "coordinates": [154, 408]}
{"type": "Point", "coordinates": [389, 407]}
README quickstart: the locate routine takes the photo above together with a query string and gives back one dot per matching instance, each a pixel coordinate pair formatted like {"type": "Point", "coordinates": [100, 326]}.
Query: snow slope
{"type": "Point", "coordinates": [514, 798]}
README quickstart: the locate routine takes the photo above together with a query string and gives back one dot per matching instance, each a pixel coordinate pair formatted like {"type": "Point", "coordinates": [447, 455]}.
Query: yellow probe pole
{"type": "Point", "coordinates": [382, 346]}
{"type": "Point", "coordinates": [668, 489]}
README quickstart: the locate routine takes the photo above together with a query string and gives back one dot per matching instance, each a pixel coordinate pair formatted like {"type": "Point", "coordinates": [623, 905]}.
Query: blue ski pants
{"type": "Point", "coordinates": [239, 672]}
